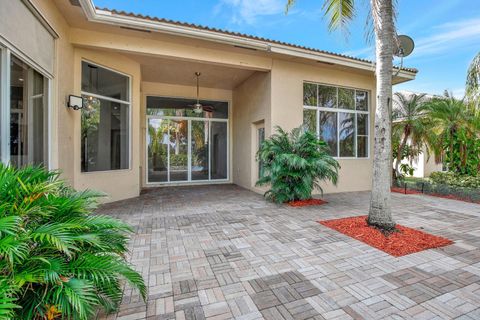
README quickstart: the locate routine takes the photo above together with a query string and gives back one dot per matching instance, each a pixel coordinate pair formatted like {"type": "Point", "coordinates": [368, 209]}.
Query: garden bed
{"type": "Point", "coordinates": [399, 243]}
{"type": "Point", "coordinates": [438, 190]}
{"type": "Point", "coordinates": [306, 203]}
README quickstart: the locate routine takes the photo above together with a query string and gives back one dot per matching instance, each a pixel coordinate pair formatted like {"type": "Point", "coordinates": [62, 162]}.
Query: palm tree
{"type": "Point", "coordinates": [409, 123]}
{"type": "Point", "coordinates": [340, 13]}
{"type": "Point", "coordinates": [448, 116]}
{"type": "Point", "coordinates": [472, 87]}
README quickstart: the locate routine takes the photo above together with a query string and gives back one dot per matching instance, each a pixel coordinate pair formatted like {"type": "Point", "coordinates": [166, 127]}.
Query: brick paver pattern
{"type": "Point", "coordinates": [222, 252]}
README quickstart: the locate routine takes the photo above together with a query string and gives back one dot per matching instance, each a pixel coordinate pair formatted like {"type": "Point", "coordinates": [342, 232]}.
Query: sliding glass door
{"type": "Point", "coordinates": [186, 150]}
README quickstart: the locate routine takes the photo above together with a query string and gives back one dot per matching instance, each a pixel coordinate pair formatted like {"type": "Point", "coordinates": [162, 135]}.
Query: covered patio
{"type": "Point", "coordinates": [222, 252]}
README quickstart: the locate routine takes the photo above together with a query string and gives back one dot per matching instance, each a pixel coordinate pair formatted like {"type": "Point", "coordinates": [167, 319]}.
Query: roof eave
{"type": "Point", "coordinates": [102, 16]}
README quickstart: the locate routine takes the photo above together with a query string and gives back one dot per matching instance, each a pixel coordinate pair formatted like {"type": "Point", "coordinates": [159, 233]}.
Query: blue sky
{"type": "Point", "coordinates": [446, 32]}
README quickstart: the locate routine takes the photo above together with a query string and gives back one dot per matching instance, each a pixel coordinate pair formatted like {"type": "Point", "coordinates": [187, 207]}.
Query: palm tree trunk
{"type": "Point", "coordinates": [380, 214]}
{"type": "Point", "coordinates": [401, 146]}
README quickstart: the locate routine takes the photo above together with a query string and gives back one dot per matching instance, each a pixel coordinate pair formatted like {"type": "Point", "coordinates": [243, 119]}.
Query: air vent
{"type": "Point", "coordinates": [246, 48]}
{"type": "Point", "coordinates": [327, 63]}
{"type": "Point", "coordinates": [75, 3]}
{"type": "Point", "coordinates": [135, 29]}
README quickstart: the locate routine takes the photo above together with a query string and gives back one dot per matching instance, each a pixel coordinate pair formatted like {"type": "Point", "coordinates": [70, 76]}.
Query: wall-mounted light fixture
{"type": "Point", "coordinates": [75, 102]}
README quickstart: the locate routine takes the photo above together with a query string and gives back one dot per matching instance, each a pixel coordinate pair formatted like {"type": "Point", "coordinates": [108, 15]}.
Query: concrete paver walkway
{"type": "Point", "coordinates": [222, 252]}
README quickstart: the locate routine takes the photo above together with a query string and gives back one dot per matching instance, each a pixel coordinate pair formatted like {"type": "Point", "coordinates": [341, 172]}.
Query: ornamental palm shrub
{"type": "Point", "coordinates": [57, 259]}
{"type": "Point", "coordinates": [294, 164]}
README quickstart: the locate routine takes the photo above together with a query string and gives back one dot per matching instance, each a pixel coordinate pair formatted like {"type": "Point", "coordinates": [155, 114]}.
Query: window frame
{"type": "Point", "coordinates": [6, 52]}
{"type": "Point", "coordinates": [337, 110]}
{"type": "Point", "coordinates": [130, 113]}
{"type": "Point", "coordinates": [209, 120]}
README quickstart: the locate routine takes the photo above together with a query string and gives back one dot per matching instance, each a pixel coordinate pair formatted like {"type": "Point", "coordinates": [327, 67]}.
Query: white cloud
{"type": "Point", "coordinates": [449, 36]}
{"type": "Point", "coordinates": [443, 39]}
{"type": "Point", "coordinates": [458, 93]}
{"type": "Point", "coordinates": [249, 10]}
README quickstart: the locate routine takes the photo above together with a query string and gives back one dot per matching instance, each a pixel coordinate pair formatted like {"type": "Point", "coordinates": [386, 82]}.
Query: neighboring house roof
{"type": "Point", "coordinates": [91, 11]}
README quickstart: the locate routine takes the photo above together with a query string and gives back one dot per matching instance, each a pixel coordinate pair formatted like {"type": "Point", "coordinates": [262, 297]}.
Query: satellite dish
{"type": "Point", "coordinates": [405, 46]}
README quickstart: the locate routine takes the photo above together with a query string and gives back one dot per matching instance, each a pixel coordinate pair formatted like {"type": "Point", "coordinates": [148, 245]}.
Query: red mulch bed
{"type": "Point", "coordinates": [402, 190]}
{"type": "Point", "coordinates": [305, 203]}
{"type": "Point", "coordinates": [403, 242]}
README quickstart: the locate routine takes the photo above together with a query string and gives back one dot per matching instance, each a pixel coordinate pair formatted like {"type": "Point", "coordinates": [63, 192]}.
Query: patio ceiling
{"type": "Point", "coordinates": [159, 69]}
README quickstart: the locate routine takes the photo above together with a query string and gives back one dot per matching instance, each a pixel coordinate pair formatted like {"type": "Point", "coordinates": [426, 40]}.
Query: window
{"type": "Point", "coordinates": [339, 116]}
{"type": "Point", "coordinates": [184, 145]}
{"type": "Point", "coordinates": [105, 119]}
{"type": "Point", "coordinates": [260, 140]}
{"type": "Point", "coordinates": [24, 113]}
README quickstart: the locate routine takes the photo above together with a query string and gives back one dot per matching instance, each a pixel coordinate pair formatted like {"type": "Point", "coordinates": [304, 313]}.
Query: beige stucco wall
{"type": "Point", "coordinates": [179, 91]}
{"type": "Point", "coordinates": [287, 112]}
{"type": "Point", "coordinates": [252, 101]}
{"type": "Point", "coordinates": [61, 119]}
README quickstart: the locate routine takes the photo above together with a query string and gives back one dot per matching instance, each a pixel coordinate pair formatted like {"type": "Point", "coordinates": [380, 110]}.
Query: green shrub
{"type": "Point", "coordinates": [57, 259]}
{"type": "Point", "coordinates": [294, 164]}
{"type": "Point", "coordinates": [452, 179]}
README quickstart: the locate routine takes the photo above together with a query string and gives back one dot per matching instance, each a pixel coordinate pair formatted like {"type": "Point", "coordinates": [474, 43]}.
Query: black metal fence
{"type": "Point", "coordinates": [441, 190]}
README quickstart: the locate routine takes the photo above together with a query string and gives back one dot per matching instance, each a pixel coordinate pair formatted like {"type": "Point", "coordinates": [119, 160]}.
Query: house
{"type": "Point", "coordinates": [423, 164]}
{"type": "Point", "coordinates": [139, 123]}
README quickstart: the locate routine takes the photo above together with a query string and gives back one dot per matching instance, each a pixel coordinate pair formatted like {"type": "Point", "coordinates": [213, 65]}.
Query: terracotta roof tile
{"type": "Point", "coordinates": [237, 34]}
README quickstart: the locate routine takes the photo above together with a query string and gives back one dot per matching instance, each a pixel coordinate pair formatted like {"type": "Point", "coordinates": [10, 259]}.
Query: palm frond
{"type": "Point", "coordinates": [294, 164]}
{"type": "Point", "coordinates": [59, 259]}
{"type": "Point", "coordinates": [339, 13]}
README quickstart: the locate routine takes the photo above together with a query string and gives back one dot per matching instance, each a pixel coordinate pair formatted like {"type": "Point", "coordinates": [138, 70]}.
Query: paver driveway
{"type": "Point", "coordinates": [223, 252]}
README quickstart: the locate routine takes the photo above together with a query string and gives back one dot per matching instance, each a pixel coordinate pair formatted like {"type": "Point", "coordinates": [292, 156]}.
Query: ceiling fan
{"type": "Point", "coordinates": [198, 107]}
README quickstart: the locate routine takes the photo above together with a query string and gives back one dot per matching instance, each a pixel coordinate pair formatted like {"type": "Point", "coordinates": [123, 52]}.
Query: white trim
{"type": "Point", "coordinates": [49, 122]}
{"type": "Point", "coordinates": [5, 87]}
{"type": "Point", "coordinates": [210, 150]}
{"type": "Point", "coordinates": [337, 111]}
{"type": "Point", "coordinates": [185, 118]}
{"type": "Point", "coordinates": [186, 183]}
{"type": "Point", "coordinates": [189, 150]}
{"type": "Point", "coordinates": [189, 120]}
{"type": "Point", "coordinates": [107, 17]}
{"type": "Point", "coordinates": [5, 105]}
{"type": "Point", "coordinates": [99, 96]}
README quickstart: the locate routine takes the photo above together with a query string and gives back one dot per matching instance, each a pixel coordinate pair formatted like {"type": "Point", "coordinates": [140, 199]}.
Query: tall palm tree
{"type": "Point", "coordinates": [472, 87]}
{"type": "Point", "coordinates": [409, 123]}
{"type": "Point", "coordinates": [340, 13]}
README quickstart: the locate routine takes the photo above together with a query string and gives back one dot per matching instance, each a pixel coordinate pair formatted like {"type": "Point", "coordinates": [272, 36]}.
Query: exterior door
{"type": "Point", "coordinates": [186, 150]}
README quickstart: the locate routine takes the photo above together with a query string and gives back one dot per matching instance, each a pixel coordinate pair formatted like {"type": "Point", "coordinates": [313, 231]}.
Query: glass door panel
{"type": "Point", "coordinates": [182, 150]}
{"type": "Point", "coordinates": [157, 144]}
{"type": "Point", "coordinates": [218, 150]}
{"type": "Point", "coordinates": [178, 154]}
{"type": "Point", "coordinates": [199, 150]}
{"type": "Point", "coordinates": [28, 115]}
